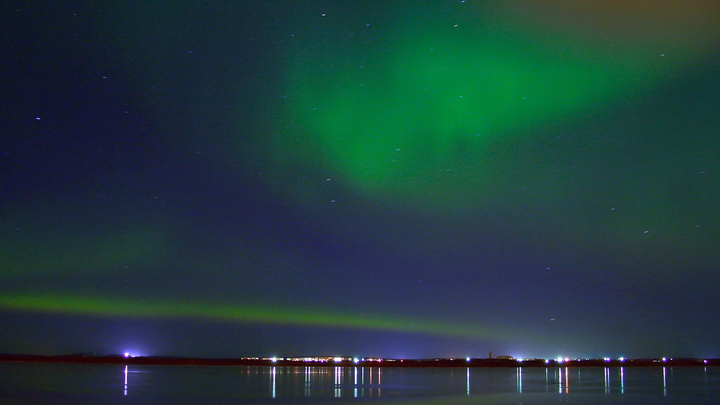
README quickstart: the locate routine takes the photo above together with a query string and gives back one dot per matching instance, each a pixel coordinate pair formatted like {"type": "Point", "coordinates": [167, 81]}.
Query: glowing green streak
{"type": "Point", "coordinates": [73, 305]}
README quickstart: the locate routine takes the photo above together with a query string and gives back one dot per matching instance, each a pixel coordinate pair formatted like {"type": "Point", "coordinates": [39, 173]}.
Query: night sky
{"type": "Point", "coordinates": [360, 178]}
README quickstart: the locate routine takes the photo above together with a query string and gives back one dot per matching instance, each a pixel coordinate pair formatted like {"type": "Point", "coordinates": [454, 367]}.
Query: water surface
{"type": "Point", "coordinates": [29, 383]}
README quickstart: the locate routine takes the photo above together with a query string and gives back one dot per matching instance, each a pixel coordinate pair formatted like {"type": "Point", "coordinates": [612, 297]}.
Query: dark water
{"type": "Point", "coordinates": [22, 383]}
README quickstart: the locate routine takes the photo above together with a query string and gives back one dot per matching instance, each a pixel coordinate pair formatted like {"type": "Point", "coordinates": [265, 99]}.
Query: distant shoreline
{"type": "Point", "coordinates": [473, 363]}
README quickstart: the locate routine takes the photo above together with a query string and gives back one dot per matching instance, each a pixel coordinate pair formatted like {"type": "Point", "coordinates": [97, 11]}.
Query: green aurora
{"type": "Point", "coordinates": [168, 309]}
{"type": "Point", "coordinates": [425, 112]}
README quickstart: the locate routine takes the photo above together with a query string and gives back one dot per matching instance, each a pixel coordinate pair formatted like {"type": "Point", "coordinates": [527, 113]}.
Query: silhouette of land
{"type": "Point", "coordinates": [90, 358]}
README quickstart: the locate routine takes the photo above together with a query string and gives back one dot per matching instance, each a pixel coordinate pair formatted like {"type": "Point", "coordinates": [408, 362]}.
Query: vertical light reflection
{"type": "Point", "coordinates": [362, 380]}
{"type": "Point", "coordinates": [126, 385]}
{"type": "Point", "coordinates": [607, 380]}
{"type": "Point", "coordinates": [272, 379]}
{"type": "Point", "coordinates": [547, 386]}
{"type": "Point", "coordinates": [622, 380]}
{"type": "Point", "coordinates": [307, 382]}
{"type": "Point", "coordinates": [567, 380]}
{"type": "Point", "coordinates": [370, 373]}
{"type": "Point", "coordinates": [355, 381]}
{"type": "Point", "coordinates": [467, 382]}
{"type": "Point", "coordinates": [379, 390]}
{"type": "Point", "coordinates": [664, 381]}
{"type": "Point", "coordinates": [338, 382]}
{"type": "Point", "coordinates": [518, 378]}
{"type": "Point", "coordinates": [560, 381]}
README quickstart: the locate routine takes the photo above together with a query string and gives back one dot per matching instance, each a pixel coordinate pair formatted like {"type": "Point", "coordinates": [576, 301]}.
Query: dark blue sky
{"type": "Point", "coordinates": [242, 178]}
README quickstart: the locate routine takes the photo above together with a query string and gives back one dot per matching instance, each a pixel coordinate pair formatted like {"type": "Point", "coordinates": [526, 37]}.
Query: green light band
{"type": "Point", "coordinates": [75, 305]}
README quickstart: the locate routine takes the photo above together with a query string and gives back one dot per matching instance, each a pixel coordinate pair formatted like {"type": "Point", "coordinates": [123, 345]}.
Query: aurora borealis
{"type": "Point", "coordinates": [411, 179]}
{"type": "Point", "coordinates": [444, 93]}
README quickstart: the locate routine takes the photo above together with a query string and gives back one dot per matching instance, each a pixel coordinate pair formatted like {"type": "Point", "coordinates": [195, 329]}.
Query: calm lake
{"type": "Point", "coordinates": [29, 383]}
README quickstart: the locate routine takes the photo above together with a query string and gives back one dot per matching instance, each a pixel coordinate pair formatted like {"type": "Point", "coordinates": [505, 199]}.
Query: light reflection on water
{"type": "Point", "coordinates": [67, 383]}
{"type": "Point", "coordinates": [342, 382]}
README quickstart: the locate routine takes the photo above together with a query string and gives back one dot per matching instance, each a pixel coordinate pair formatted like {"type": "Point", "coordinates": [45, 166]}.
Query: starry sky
{"type": "Point", "coordinates": [406, 179]}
